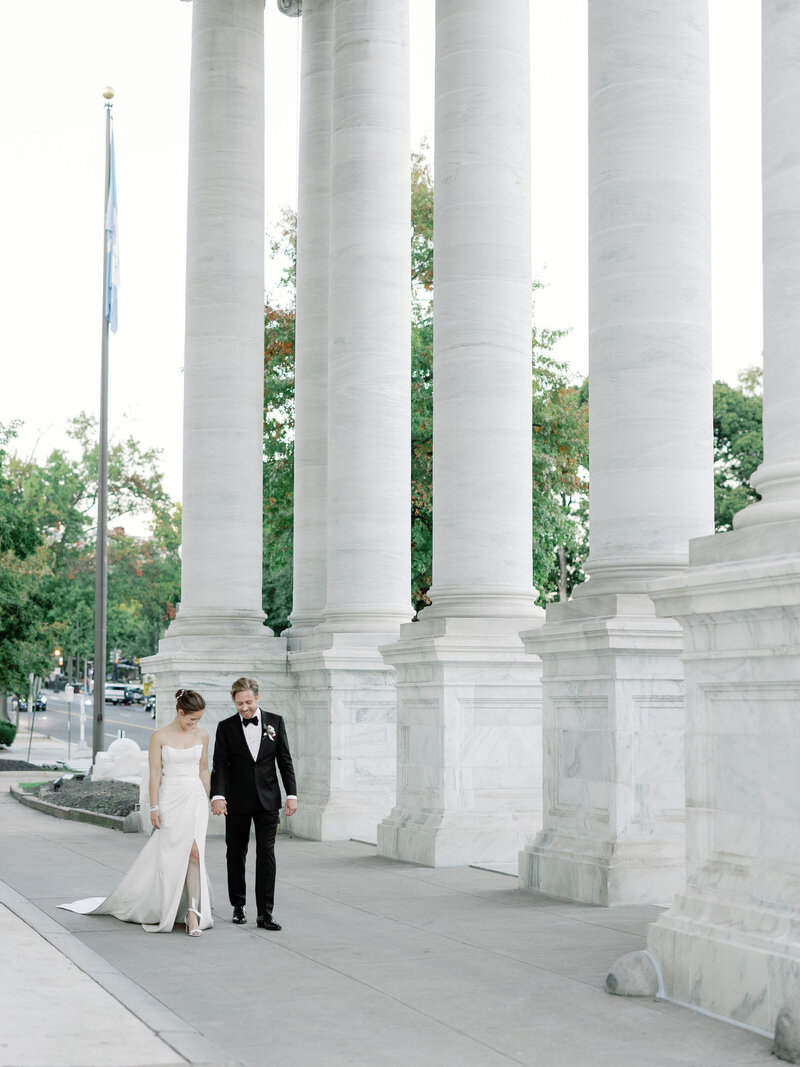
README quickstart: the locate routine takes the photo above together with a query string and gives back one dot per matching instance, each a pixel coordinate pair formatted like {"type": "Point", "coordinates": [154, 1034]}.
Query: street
{"type": "Point", "coordinates": [132, 720]}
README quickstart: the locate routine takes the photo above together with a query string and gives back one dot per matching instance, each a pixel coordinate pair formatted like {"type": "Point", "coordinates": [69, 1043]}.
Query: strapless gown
{"type": "Point", "coordinates": [153, 891]}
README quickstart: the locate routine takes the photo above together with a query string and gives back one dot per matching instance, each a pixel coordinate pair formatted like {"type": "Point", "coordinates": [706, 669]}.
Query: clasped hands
{"type": "Point", "coordinates": [220, 807]}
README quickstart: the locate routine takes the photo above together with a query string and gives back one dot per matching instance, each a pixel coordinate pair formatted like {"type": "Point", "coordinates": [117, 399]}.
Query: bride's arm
{"type": "Point", "coordinates": [205, 774]}
{"type": "Point", "coordinates": [154, 757]}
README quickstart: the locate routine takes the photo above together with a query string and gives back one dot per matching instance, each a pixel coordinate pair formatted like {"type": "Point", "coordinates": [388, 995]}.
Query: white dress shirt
{"type": "Point", "coordinates": [252, 733]}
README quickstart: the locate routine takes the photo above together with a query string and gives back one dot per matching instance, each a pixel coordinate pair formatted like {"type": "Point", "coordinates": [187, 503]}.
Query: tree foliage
{"type": "Point", "coordinates": [58, 501]}
{"type": "Point", "coordinates": [559, 432]}
{"type": "Point", "coordinates": [279, 319]}
{"type": "Point", "coordinates": [560, 473]}
{"type": "Point", "coordinates": [22, 565]}
{"type": "Point", "coordinates": [738, 445]}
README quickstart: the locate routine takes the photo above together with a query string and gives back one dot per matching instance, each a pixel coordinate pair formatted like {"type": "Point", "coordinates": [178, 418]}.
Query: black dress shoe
{"type": "Point", "coordinates": [239, 915]}
{"type": "Point", "coordinates": [266, 922]}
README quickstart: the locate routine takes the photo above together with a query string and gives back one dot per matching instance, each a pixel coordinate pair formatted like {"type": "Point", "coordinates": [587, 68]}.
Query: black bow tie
{"type": "Point", "coordinates": [250, 722]}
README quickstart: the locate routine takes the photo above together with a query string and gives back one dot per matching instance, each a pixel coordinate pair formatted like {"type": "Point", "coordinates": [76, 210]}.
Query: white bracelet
{"type": "Point", "coordinates": [155, 807]}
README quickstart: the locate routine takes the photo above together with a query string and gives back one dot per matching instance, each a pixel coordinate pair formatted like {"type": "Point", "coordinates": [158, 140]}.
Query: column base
{"type": "Point", "coordinates": [613, 754]}
{"type": "Point", "coordinates": [346, 727]}
{"type": "Point", "coordinates": [607, 873]}
{"type": "Point", "coordinates": [209, 661]}
{"type": "Point", "coordinates": [469, 743]}
{"type": "Point", "coordinates": [460, 839]}
{"type": "Point", "coordinates": [731, 942]}
{"type": "Point", "coordinates": [741, 963]}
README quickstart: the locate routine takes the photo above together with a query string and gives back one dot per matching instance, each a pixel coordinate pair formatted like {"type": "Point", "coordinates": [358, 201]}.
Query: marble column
{"type": "Point", "coordinates": [469, 752]}
{"type": "Point", "coordinates": [731, 943]}
{"type": "Point", "coordinates": [311, 329]}
{"type": "Point", "coordinates": [369, 479]}
{"type": "Point", "coordinates": [613, 692]}
{"type": "Point", "coordinates": [778, 478]}
{"type": "Point", "coordinates": [219, 631]}
{"type": "Point", "coordinates": [346, 705]}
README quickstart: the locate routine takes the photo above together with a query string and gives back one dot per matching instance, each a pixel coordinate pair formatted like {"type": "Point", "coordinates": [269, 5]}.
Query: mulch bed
{"type": "Point", "coordinates": [20, 765]}
{"type": "Point", "coordinates": [106, 797]}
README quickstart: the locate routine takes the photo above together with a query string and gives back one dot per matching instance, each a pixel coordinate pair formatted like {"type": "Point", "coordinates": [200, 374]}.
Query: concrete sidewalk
{"type": "Point", "coordinates": [378, 964]}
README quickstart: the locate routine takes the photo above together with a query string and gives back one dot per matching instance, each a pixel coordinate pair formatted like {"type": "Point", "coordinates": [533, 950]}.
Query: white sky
{"type": "Point", "coordinates": [55, 58]}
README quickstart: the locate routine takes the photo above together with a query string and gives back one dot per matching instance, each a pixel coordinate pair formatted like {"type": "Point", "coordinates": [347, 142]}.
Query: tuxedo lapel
{"type": "Point", "coordinates": [265, 741]}
{"type": "Point", "coordinates": [238, 731]}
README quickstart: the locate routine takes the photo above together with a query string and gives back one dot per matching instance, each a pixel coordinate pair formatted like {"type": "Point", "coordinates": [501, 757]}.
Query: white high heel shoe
{"type": "Point", "coordinates": [197, 932]}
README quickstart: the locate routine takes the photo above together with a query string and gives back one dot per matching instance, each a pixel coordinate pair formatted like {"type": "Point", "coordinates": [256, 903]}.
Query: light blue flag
{"type": "Point", "coordinates": [112, 244]}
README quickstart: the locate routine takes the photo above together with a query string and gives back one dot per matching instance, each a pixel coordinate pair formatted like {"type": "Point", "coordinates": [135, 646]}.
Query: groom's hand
{"type": "Point", "coordinates": [219, 807]}
{"type": "Point", "coordinates": [291, 806]}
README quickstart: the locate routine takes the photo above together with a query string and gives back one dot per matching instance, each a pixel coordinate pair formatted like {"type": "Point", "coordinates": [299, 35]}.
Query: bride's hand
{"type": "Point", "coordinates": [155, 818]}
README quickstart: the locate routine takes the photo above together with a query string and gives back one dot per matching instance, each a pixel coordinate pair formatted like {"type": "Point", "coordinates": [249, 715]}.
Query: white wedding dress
{"type": "Point", "coordinates": [153, 891]}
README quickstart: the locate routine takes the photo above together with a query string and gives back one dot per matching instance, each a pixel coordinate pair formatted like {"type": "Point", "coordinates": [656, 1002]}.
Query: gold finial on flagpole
{"type": "Point", "coordinates": [108, 93]}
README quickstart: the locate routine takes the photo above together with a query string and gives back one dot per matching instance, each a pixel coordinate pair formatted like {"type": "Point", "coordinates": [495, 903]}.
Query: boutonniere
{"type": "Point", "coordinates": [270, 731]}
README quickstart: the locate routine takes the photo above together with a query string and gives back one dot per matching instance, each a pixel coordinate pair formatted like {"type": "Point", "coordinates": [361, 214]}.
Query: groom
{"type": "Point", "coordinates": [244, 787]}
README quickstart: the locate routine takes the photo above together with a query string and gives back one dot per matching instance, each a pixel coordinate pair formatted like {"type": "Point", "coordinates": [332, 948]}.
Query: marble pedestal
{"type": "Point", "coordinates": [731, 942]}
{"type": "Point", "coordinates": [344, 752]}
{"type": "Point", "coordinates": [469, 743]}
{"type": "Point", "coordinates": [613, 754]}
{"type": "Point", "coordinates": [208, 656]}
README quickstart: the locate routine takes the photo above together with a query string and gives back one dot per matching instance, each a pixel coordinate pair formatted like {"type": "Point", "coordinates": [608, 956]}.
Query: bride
{"type": "Point", "coordinates": [168, 878]}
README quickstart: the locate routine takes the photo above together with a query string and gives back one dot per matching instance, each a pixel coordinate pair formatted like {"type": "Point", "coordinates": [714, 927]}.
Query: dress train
{"type": "Point", "coordinates": [153, 892]}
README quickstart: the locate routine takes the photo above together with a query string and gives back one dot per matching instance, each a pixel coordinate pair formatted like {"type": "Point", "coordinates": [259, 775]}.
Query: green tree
{"type": "Point", "coordinates": [23, 565]}
{"type": "Point", "coordinates": [421, 379]}
{"type": "Point", "coordinates": [560, 473]}
{"type": "Point", "coordinates": [60, 498]}
{"type": "Point", "coordinates": [738, 445]}
{"type": "Point", "coordinates": [279, 320]}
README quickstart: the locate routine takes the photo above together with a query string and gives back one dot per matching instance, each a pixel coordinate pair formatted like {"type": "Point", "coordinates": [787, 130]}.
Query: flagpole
{"type": "Point", "coordinates": [101, 562]}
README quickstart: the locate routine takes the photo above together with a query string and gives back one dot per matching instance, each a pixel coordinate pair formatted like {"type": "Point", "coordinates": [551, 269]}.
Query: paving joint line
{"type": "Point", "coordinates": [449, 938]}
{"type": "Point", "coordinates": [391, 996]}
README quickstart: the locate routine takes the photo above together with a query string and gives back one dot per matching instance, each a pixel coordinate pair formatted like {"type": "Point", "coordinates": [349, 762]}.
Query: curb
{"type": "Point", "coordinates": [96, 818]}
{"type": "Point", "coordinates": [180, 1035]}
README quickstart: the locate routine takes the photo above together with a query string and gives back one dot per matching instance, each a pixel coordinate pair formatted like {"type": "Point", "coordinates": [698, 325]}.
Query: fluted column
{"type": "Point", "coordinates": [219, 633]}
{"type": "Point", "coordinates": [369, 422]}
{"type": "Point", "coordinates": [482, 312]}
{"type": "Point", "coordinates": [778, 477]}
{"type": "Point", "coordinates": [352, 523]}
{"type": "Point", "coordinates": [224, 356]}
{"type": "Point", "coordinates": [469, 726]}
{"type": "Point", "coordinates": [311, 333]}
{"type": "Point", "coordinates": [730, 944]}
{"type": "Point", "coordinates": [649, 288]}
{"type": "Point", "coordinates": [613, 708]}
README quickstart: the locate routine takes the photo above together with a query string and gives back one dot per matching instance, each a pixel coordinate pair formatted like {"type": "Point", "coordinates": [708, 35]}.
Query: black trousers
{"type": "Point", "coordinates": [237, 838]}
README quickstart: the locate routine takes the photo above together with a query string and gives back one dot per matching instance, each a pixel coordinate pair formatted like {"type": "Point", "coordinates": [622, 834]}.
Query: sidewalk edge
{"type": "Point", "coordinates": [170, 1028]}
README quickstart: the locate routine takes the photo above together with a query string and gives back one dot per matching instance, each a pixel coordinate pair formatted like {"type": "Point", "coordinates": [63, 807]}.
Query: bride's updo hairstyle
{"type": "Point", "coordinates": [188, 701]}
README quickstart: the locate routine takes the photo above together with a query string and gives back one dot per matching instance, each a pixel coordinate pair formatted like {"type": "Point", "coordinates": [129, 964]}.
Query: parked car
{"type": "Point", "coordinates": [39, 704]}
{"type": "Point", "coordinates": [117, 693]}
{"type": "Point", "coordinates": [137, 692]}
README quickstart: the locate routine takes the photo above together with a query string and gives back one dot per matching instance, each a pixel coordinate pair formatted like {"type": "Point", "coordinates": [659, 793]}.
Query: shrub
{"type": "Point", "coordinates": [8, 732]}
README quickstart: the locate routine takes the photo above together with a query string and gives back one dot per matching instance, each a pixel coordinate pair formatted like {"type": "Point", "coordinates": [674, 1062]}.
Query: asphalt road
{"type": "Point", "coordinates": [132, 720]}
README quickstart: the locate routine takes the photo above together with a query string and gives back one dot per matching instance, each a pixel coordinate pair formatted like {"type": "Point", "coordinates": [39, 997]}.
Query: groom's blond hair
{"type": "Point", "coordinates": [243, 684]}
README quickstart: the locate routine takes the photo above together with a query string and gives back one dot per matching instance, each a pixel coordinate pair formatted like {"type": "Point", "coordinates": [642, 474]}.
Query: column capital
{"type": "Point", "coordinates": [292, 8]}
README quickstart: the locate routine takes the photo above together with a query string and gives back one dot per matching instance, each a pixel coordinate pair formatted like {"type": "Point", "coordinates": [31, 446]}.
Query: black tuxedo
{"type": "Point", "coordinates": [252, 792]}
